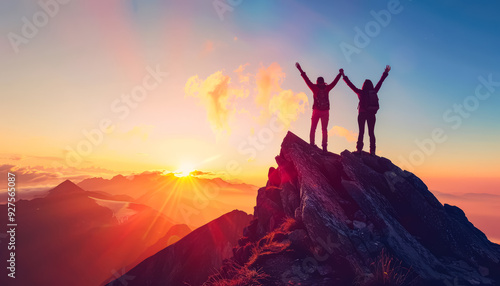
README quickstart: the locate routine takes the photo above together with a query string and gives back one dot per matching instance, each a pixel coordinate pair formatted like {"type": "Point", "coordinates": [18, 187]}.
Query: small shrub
{"type": "Point", "coordinates": [237, 275]}
{"type": "Point", "coordinates": [388, 270]}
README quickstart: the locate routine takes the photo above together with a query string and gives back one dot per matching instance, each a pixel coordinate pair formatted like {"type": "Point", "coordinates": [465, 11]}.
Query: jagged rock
{"type": "Point", "coordinates": [298, 237]}
{"type": "Point", "coordinates": [359, 211]}
{"type": "Point", "coordinates": [242, 253]}
{"type": "Point", "coordinates": [274, 178]}
{"type": "Point", "coordinates": [271, 208]}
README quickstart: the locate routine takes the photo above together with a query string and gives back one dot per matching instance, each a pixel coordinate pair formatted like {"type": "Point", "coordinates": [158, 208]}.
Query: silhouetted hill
{"type": "Point", "coordinates": [193, 258]}
{"type": "Point", "coordinates": [76, 237]}
{"type": "Point", "coordinates": [66, 188]}
{"type": "Point", "coordinates": [355, 219]}
{"type": "Point", "coordinates": [174, 234]}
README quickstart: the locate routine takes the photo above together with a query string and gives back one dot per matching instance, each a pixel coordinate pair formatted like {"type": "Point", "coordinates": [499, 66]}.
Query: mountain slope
{"type": "Point", "coordinates": [355, 219]}
{"type": "Point", "coordinates": [193, 258]}
{"type": "Point", "coordinates": [70, 237]}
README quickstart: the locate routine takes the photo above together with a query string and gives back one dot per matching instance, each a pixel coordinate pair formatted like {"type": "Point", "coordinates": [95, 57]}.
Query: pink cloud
{"type": "Point", "coordinates": [272, 99]}
{"type": "Point", "coordinates": [340, 131]}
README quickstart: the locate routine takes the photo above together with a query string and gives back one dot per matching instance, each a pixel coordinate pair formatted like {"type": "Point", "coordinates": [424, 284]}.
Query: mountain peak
{"type": "Point", "coordinates": [65, 188]}
{"type": "Point", "coordinates": [353, 212]}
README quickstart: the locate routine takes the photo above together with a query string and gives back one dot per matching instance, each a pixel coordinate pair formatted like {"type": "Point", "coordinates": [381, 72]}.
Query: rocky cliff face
{"type": "Point", "coordinates": [355, 219]}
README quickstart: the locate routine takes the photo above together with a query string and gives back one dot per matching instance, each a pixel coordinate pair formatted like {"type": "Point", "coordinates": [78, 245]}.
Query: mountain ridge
{"type": "Point", "coordinates": [326, 219]}
{"type": "Point", "coordinates": [197, 200]}
{"type": "Point", "coordinates": [192, 259]}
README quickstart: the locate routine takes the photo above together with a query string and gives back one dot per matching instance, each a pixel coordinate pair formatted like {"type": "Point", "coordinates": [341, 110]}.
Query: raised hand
{"type": "Point", "coordinates": [341, 71]}
{"type": "Point", "coordinates": [298, 66]}
{"type": "Point", "coordinates": [387, 68]}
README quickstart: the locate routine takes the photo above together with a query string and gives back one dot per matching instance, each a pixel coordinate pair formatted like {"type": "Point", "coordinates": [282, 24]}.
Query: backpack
{"type": "Point", "coordinates": [369, 101]}
{"type": "Point", "coordinates": [321, 100]}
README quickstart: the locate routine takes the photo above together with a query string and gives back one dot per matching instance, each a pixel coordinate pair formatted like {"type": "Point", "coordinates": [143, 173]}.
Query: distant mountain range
{"type": "Point", "coordinates": [78, 237]}
{"type": "Point", "coordinates": [188, 200]}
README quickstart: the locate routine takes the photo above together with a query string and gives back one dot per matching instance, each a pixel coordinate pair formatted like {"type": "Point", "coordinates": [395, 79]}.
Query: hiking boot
{"type": "Point", "coordinates": [359, 146]}
{"type": "Point", "coordinates": [325, 150]}
{"type": "Point", "coordinates": [372, 152]}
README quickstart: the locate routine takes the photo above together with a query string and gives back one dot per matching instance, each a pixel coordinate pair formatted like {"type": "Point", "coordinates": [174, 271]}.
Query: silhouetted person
{"type": "Point", "coordinates": [368, 107]}
{"type": "Point", "coordinates": [321, 106]}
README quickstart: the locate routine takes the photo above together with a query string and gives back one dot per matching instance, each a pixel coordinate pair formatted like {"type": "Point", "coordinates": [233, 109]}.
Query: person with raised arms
{"type": "Point", "coordinates": [321, 106]}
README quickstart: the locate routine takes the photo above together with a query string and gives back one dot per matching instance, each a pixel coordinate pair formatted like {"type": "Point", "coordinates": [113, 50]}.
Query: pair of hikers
{"type": "Point", "coordinates": [367, 107]}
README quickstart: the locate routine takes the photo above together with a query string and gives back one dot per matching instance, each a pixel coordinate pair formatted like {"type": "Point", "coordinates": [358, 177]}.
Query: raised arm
{"type": "Point", "coordinates": [336, 80]}
{"type": "Point", "coordinates": [349, 83]}
{"type": "Point", "coordinates": [384, 75]}
{"type": "Point", "coordinates": [304, 76]}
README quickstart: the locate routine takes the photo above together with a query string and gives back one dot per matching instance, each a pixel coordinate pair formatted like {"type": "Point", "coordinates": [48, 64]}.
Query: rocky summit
{"type": "Point", "coordinates": [354, 219]}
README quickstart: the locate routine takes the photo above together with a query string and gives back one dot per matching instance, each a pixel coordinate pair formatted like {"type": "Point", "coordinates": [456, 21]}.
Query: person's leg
{"type": "Point", "coordinates": [314, 124]}
{"type": "Point", "coordinates": [371, 131]}
{"type": "Point", "coordinates": [324, 128]}
{"type": "Point", "coordinates": [361, 127]}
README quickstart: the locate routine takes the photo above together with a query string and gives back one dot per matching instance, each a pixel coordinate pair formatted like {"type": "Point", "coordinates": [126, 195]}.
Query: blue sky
{"type": "Point", "coordinates": [65, 78]}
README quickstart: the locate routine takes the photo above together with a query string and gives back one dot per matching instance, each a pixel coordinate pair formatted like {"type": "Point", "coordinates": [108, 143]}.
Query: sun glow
{"type": "Point", "coordinates": [184, 170]}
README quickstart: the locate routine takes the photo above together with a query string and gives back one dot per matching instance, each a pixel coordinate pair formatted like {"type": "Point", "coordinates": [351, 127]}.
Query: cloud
{"type": "Point", "coordinates": [34, 181]}
{"type": "Point", "coordinates": [20, 157]}
{"type": "Point", "coordinates": [242, 78]}
{"type": "Point", "coordinates": [468, 196]}
{"type": "Point", "coordinates": [39, 176]}
{"type": "Point", "coordinates": [16, 157]}
{"type": "Point", "coordinates": [217, 97]}
{"type": "Point", "coordinates": [340, 131]}
{"type": "Point", "coordinates": [29, 176]}
{"type": "Point", "coordinates": [287, 105]}
{"type": "Point", "coordinates": [198, 173]}
{"type": "Point", "coordinates": [268, 83]}
{"type": "Point", "coordinates": [220, 96]}
{"type": "Point", "coordinates": [272, 99]}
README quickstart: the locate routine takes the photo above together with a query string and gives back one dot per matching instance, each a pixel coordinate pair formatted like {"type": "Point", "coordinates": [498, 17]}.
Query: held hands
{"type": "Point", "coordinates": [341, 71]}
{"type": "Point", "coordinates": [387, 68]}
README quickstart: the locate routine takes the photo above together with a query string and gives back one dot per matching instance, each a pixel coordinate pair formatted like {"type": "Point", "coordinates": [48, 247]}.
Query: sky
{"type": "Point", "coordinates": [96, 88]}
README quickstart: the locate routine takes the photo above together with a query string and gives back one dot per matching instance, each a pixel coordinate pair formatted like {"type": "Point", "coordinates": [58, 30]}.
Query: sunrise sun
{"type": "Point", "coordinates": [184, 170]}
